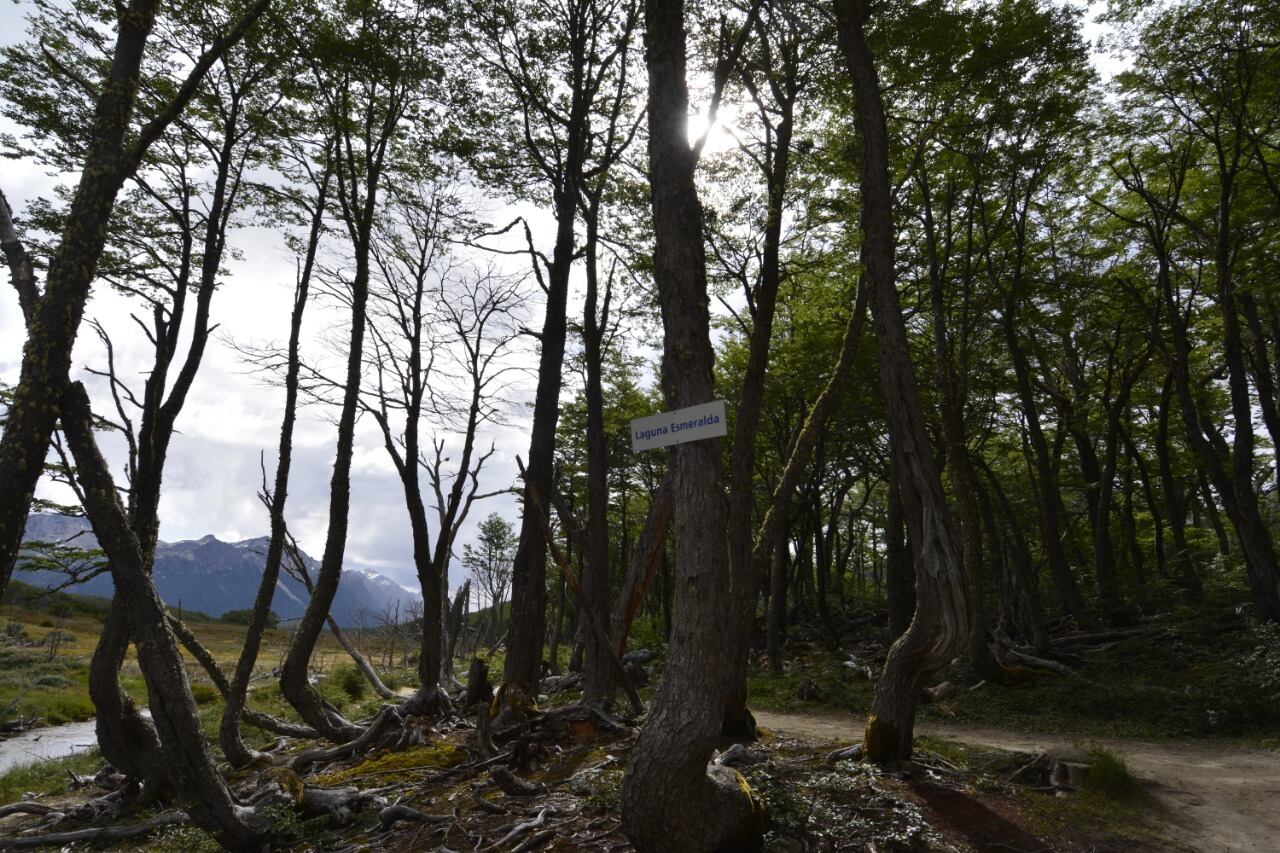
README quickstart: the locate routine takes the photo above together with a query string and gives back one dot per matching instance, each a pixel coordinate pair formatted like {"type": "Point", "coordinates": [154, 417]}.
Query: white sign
{"type": "Point", "coordinates": [695, 423]}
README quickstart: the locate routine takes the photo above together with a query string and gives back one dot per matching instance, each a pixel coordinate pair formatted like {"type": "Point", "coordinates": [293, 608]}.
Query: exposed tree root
{"type": "Point", "coordinates": [513, 786]}
{"type": "Point", "coordinates": [397, 812]}
{"type": "Point", "coordinates": [521, 828]}
{"type": "Point", "coordinates": [372, 735]}
{"type": "Point", "coordinates": [25, 808]}
{"type": "Point", "coordinates": [96, 833]}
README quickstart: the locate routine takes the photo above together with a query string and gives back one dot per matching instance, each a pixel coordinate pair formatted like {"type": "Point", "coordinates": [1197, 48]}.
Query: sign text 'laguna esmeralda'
{"type": "Point", "coordinates": [695, 423]}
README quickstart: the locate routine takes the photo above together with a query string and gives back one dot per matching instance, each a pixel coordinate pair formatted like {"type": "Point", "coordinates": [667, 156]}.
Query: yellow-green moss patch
{"type": "Point", "coordinates": [398, 766]}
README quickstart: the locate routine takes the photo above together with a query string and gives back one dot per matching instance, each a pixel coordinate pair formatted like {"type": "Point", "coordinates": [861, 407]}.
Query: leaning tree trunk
{"type": "Point", "coordinates": [773, 527]}
{"type": "Point", "coordinates": [233, 746]}
{"type": "Point", "coordinates": [182, 750]}
{"type": "Point", "coordinates": [670, 800]}
{"type": "Point", "coordinates": [294, 681]}
{"type": "Point", "coordinates": [51, 334]}
{"type": "Point", "coordinates": [529, 568]}
{"type": "Point", "coordinates": [941, 623]}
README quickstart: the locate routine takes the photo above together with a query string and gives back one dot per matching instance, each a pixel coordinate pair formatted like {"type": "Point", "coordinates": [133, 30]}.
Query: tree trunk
{"type": "Point", "coordinates": [952, 379]}
{"type": "Point", "coordinates": [650, 547]}
{"type": "Point", "coordinates": [776, 628]}
{"type": "Point", "coordinates": [294, 680]}
{"type": "Point", "coordinates": [670, 801]}
{"type": "Point", "coordinates": [1046, 478]}
{"type": "Point", "coordinates": [51, 332]}
{"type": "Point", "coordinates": [773, 526]}
{"type": "Point", "coordinates": [233, 746]}
{"type": "Point", "coordinates": [597, 666]}
{"type": "Point", "coordinates": [1182, 559]}
{"type": "Point", "coordinates": [941, 624]}
{"type": "Point", "coordinates": [744, 578]}
{"type": "Point", "coordinates": [528, 571]}
{"type": "Point", "coordinates": [182, 749]}
{"type": "Point", "coordinates": [899, 569]}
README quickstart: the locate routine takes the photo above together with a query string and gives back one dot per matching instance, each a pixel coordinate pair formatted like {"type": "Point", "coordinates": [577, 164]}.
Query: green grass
{"type": "Point", "coordinates": [46, 777]}
{"type": "Point", "coordinates": [1132, 817]}
{"type": "Point", "coordinates": [1108, 775]}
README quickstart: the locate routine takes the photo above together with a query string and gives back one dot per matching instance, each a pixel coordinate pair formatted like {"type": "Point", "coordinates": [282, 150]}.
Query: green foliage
{"type": "Point", "coordinates": [1108, 774]}
{"type": "Point", "coordinates": [243, 617]}
{"type": "Point", "coordinates": [349, 681]}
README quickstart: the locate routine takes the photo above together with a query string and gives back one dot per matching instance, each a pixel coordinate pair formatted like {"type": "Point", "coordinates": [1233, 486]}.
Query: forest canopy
{"type": "Point", "coordinates": [988, 289]}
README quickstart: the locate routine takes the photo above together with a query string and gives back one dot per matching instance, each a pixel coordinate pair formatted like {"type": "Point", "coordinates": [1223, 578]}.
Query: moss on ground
{"type": "Point", "coordinates": [389, 767]}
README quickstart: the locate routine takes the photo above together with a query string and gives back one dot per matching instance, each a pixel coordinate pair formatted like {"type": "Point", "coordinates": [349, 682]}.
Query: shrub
{"type": "Point", "coordinates": [242, 617]}
{"type": "Point", "coordinates": [1109, 775]}
{"type": "Point", "coordinates": [203, 693]}
{"type": "Point", "coordinates": [350, 681]}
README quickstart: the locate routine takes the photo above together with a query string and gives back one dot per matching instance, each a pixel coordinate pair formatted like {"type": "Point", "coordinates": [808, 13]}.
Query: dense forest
{"type": "Point", "coordinates": [992, 304]}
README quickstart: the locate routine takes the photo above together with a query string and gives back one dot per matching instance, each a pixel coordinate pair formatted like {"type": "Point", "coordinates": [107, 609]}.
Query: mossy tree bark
{"type": "Point", "coordinates": [669, 800]}
{"type": "Point", "coordinates": [941, 623]}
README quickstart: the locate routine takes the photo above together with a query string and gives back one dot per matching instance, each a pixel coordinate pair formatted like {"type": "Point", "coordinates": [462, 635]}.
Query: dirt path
{"type": "Point", "coordinates": [1225, 798]}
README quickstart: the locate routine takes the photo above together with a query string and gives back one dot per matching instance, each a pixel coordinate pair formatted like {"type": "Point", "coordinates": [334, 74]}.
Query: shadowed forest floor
{"type": "Point", "coordinates": [1215, 796]}
{"type": "Point", "coordinates": [1149, 700]}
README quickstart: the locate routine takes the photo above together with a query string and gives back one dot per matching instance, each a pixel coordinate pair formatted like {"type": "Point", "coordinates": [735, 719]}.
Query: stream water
{"type": "Point", "coordinates": [43, 744]}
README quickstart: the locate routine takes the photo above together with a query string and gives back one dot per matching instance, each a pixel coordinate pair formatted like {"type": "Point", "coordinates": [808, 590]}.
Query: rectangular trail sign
{"type": "Point", "coordinates": [694, 423]}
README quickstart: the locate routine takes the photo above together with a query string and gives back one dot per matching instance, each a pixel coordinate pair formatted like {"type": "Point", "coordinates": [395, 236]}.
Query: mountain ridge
{"type": "Point", "coordinates": [213, 576]}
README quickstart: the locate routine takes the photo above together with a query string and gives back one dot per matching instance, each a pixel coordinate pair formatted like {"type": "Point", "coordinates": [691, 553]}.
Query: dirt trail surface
{"type": "Point", "coordinates": [1225, 798]}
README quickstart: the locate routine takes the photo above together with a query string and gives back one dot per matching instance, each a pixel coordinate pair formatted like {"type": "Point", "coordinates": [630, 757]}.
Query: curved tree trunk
{"type": "Point", "coordinates": [182, 750]}
{"type": "Point", "coordinates": [941, 623]}
{"type": "Point", "coordinates": [55, 321]}
{"type": "Point", "coordinates": [233, 746]}
{"type": "Point", "coordinates": [294, 681]}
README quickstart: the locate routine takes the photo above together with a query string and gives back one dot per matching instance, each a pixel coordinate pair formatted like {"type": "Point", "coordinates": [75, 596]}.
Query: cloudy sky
{"type": "Point", "coordinates": [231, 418]}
